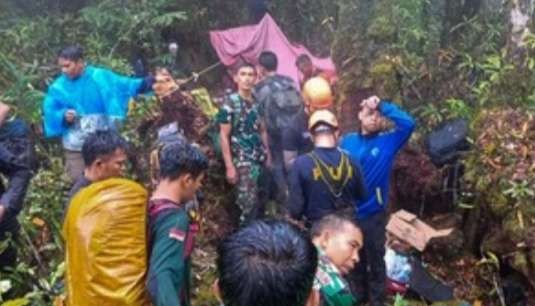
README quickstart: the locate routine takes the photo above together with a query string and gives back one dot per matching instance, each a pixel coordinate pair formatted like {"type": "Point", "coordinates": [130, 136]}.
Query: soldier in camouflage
{"type": "Point", "coordinates": [333, 288]}
{"type": "Point", "coordinates": [244, 143]}
{"type": "Point", "coordinates": [338, 240]}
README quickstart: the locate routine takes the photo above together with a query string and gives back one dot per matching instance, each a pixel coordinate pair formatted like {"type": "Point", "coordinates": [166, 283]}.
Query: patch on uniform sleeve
{"type": "Point", "coordinates": [177, 234]}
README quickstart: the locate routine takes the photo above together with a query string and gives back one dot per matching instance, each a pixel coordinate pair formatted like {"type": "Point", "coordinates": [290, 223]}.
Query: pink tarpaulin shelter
{"type": "Point", "coordinates": [248, 42]}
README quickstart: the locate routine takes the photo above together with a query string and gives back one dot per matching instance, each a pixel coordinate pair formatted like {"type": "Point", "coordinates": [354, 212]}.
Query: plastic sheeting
{"type": "Point", "coordinates": [398, 267]}
{"type": "Point", "coordinates": [106, 250]}
{"type": "Point", "coordinates": [96, 91]}
{"type": "Point", "coordinates": [248, 42]}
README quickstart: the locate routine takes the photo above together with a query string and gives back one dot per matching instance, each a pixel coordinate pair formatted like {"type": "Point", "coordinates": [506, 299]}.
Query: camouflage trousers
{"type": "Point", "coordinates": [247, 192]}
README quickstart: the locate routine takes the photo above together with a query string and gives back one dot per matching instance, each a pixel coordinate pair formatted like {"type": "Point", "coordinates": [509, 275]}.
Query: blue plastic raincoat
{"type": "Point", "coordinates": [97, 93]}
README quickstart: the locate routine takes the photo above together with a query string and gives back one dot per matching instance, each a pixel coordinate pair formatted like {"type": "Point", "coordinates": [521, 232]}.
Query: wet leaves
{"type": "Point", "coordinates": [502, 177]}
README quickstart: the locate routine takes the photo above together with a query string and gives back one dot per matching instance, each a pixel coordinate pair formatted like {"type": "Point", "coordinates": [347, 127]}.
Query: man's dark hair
{"type": "Point", "coordinates": [331, 222]}
{"type": "Point", "coordinates": [358, 96]}
{"type": "Point", "coordinates": [101, 144]}
{"type": "Point", "coordinates": [268, 60]}
{"type": "Point", "coordinates": [243, 65]}
{"type": "Point", "coordinates": [177, 159]}
{"type": "Point", "coordinates": [303, 58]}
{"type": "Point", "coordinates": [267, 263]}
{"type": "Point", "coordinates": [72, 53]}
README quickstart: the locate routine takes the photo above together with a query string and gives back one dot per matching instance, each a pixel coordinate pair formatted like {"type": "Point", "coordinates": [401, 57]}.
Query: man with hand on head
{"type": "Point", "coordinates": [375, 149]}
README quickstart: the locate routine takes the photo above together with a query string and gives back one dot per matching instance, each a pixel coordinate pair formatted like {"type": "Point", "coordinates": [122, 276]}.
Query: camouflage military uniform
{"type": "Point", "coordinates": [247, 151]}
{"type": "Point", "coordinates": [333, 288]}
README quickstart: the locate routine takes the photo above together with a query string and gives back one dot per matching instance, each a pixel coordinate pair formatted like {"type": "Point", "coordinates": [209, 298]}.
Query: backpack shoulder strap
{"type": "Point", "coordinates": [346, 159]}
{"type": "Point", "coordinates": [236, 104]}
{"type": "Point", "coordinates": [155, 210]}
{"type": "Point", "coordinates": [344, 171]}
{"type": "Point", "coordinates": [234, 99]}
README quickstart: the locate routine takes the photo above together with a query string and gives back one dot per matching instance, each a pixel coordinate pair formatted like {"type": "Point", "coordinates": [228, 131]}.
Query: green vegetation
{"type": "Point", "coordinates": [442, 59]}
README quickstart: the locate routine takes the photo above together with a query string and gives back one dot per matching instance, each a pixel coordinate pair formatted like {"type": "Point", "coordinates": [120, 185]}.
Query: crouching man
{"type": "Point", "coordinates": [338, 240]}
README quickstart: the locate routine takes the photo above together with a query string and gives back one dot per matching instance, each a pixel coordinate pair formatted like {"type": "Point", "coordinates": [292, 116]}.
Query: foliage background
{"type": "Point", "coordinates": [439, 58]}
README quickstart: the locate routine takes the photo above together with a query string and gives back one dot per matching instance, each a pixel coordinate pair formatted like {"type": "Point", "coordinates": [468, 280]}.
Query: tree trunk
{"type": "Point", "coordinates": [352, 48]}
{"type": "Point", "coordinates": [520, 19]}
{"type": "Point", "coordinates": [435, 14]}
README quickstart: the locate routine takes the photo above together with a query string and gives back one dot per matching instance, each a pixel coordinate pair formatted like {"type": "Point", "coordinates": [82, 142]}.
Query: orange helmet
{"type": "Point", "coordinates": [317, 93]}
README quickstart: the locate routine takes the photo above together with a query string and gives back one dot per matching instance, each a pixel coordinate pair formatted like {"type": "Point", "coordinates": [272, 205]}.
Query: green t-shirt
{"type": "Point", "coordinates": [169, 264]}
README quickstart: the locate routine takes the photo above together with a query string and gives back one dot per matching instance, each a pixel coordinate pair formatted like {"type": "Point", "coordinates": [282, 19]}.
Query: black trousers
{"type": "Point", "coordinates": [368, 280]}
{"type": "Point", "coordinates": [273, 184]}
{"type": "Point", "coordinates": [8, 228]}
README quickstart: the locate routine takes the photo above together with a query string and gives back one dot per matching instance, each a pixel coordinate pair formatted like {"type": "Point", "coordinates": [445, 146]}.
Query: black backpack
{"type": "Point", "coordinates": [284, 105]}
{"type": "Point", "coordinates": [446, 142]}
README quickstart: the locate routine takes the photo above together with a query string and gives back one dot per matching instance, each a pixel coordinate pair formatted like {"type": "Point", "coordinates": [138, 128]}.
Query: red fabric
{"type": "Point", "coordinates": [156, 206]}
{"type": "Point", "coordinates": [393, 287]}
{"type": "Point", "coordinates": [248, 42]}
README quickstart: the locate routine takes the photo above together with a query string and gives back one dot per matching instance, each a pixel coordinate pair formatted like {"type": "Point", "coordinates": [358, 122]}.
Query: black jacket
{"type": "Point", "coordinates": [310, 197]}
{"type": "Point", "coordinates": [16, 161]}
